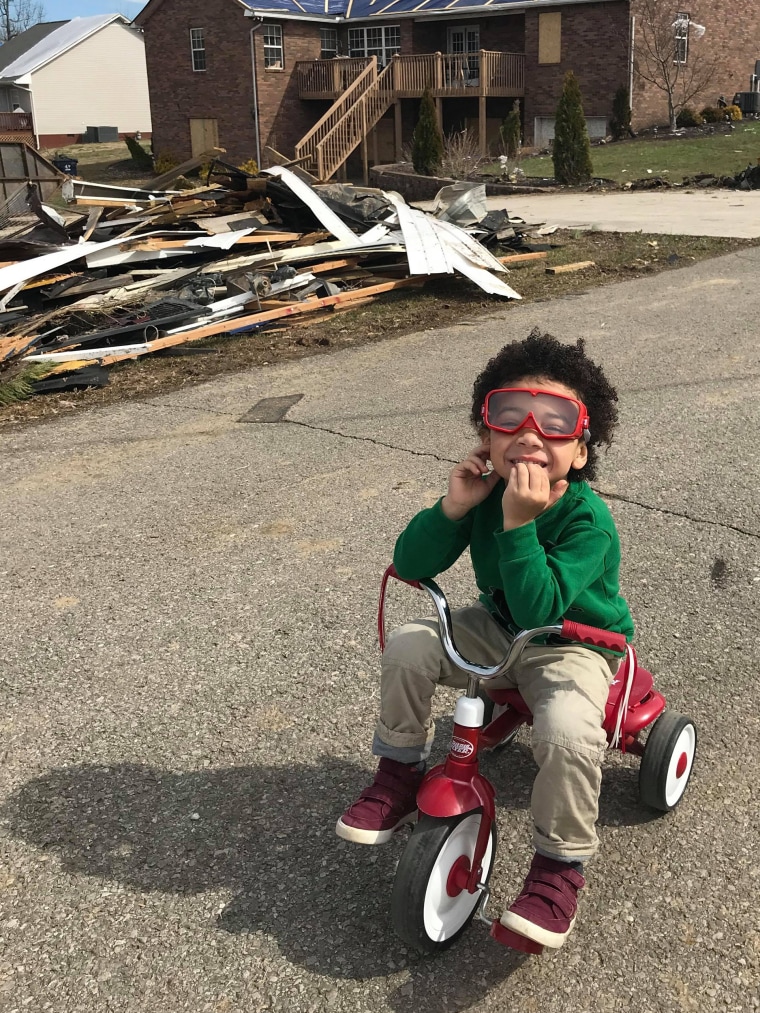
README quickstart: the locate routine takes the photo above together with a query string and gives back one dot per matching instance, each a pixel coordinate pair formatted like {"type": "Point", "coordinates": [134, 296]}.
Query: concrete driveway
{"type": "Point", "coordinates": [189, 679]}
{"type": "Point", "coordinates": [733, 213]}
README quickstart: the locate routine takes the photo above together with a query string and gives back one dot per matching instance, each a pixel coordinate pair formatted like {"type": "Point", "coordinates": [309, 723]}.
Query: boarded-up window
{"type": "Point", "coordinates": [549, 38]}
{"type": "Point", "coordinates": [204, 135]}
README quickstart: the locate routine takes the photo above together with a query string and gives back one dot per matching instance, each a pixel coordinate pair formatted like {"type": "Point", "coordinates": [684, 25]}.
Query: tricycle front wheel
{"type": "Point", "coordinates": [427, 909]}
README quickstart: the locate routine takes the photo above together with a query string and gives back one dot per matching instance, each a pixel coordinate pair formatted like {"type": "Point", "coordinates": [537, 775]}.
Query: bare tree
{"type": "Point", "coordinates": [671, 54]}
{"type": "Point", "coordinates": [18, 15]}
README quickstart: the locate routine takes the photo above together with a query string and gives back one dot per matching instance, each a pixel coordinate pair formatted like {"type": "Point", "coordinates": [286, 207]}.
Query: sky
{"type": "Point", "coordinates": [62, 10]}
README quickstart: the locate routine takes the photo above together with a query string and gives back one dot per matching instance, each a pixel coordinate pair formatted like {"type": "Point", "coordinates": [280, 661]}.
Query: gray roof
{"type": "Point", "coordinates": [21, 44]}
{"type": "Point", "coordinates": [65, 35]}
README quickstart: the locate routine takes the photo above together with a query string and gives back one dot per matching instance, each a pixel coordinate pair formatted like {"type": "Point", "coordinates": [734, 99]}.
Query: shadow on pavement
{"type": "Point", "coordinates": [266, 833]}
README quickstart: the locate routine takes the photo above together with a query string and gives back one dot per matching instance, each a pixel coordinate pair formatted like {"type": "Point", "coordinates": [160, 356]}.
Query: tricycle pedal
{"type": "Point", "coordinates": [513, 940]}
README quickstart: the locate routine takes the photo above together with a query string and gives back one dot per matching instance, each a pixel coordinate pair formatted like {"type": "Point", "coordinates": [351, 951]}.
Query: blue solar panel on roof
{"type": "Point", "coordinates": [353, 9]}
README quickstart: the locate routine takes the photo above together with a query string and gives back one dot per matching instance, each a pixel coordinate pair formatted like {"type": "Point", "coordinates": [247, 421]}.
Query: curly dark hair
{"type": "Point", "coordinates": [543, 356]}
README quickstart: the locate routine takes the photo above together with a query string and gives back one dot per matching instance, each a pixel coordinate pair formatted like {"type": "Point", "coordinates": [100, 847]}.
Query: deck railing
{"type": "Point", "coordinates": [483, 73]}
{"type": "Point", "coordinates": [16, 123]}
{"type": "Point", "coordinates": [325, 78]}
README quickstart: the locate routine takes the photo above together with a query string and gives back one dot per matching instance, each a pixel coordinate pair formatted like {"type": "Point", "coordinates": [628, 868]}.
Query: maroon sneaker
{"type": "Point", "coordinates": [545, 910]}
{"type": "Point", "coordinates": [388, 803]}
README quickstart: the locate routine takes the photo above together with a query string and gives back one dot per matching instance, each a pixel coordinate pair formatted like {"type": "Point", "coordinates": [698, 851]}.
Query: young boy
{"type": "Point", "coordinates": [544, 547]}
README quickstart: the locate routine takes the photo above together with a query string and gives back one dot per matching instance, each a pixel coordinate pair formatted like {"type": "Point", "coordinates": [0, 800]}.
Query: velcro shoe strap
{"type": "Point", "coordinates": [559, 899]}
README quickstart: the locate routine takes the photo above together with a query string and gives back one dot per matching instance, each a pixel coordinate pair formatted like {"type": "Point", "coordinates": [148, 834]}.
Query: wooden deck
{"type": "Point", "coordinates": [473, 75]}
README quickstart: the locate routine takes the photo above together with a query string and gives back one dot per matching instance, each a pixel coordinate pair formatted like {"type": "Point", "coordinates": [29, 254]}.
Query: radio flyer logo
{"type": "Point", "coordinates": [461, 747]}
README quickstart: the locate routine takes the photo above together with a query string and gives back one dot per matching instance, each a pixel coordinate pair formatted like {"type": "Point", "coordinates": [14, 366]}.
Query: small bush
{"type": "Point", "coordinates": [688, 117]}
{"type": "Point", "coordinates": [712, 114]}
{"type": "Point", "coordinates": [571, 151]}
{"type": "Point", "coordinates": [427, 143]}
{"type": "Point", "coordinates": [165, 162]}
{"type": "Point", "coordinates": [140, 156]}
{"type": "Point", "coordinates": [620, 123]}
{"type": "Point", "coordinates": [733, 112]}
{"type": "Point", "coordinates": [510, 131]}
{"type": "Point", "coordinates": [250, 166]}
{"type": "Point", "coordinates": [461, 155]}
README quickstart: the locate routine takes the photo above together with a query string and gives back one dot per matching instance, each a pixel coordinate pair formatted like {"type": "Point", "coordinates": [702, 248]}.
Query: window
{"type": "Point", "coordinates": [274, 58]}
{"type": "Point", "coordinates": [549, 38]}
{"type": "Point", "coordinates": [380, 42]}
{"type": "Point", "coordinates": [329, 37]}
{"type": "Point", "coordinates": [197, 49]}
{"type": "Point", "coordinates": [681, 28]}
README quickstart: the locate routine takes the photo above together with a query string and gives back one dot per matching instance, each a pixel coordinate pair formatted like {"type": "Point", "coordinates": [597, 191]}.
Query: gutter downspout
{"type": "Point", "coordinates": [632, 44]}
{"type": "Point", "coordinates": [259, 23]}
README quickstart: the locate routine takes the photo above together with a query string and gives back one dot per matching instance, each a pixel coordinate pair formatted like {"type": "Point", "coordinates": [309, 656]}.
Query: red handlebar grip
{"type": "Point", "coordinates": [591, 635]}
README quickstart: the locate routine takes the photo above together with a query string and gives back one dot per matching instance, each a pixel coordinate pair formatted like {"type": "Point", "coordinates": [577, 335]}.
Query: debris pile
{"type": "Point", "coordinates": [127, 272]}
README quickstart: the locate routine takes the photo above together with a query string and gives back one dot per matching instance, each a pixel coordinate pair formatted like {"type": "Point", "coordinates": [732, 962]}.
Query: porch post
{"type": "Point", "coordinates": [365, 163]}
{"type": "Point", "coordinates": [482, 124]}
{"type": "Point", "coordinates": [397, 131]}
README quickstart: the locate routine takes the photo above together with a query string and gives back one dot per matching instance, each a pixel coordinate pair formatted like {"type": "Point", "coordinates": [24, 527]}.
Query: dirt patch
{"type": "Point", "coordinates": [441, 303]}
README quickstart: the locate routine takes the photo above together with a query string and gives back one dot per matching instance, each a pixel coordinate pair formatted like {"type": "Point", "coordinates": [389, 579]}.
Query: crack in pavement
{"type": "Point", "coordinates": [600, 492]}
{"type": "Point", "coordinates": [448, 460]}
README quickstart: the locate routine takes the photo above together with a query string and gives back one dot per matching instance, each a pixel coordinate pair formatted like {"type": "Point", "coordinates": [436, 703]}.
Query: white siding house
{"type": "Point", "coordinates": [89, 72]}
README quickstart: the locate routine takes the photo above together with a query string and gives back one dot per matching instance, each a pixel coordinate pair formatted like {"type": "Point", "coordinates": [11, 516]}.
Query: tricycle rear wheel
{"type": "Point", "coordinates": [668, 761]}
{"type": "Point", "coordinates": [425, 912]}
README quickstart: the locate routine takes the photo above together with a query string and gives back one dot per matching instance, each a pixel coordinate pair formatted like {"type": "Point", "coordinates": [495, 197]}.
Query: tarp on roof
{"type": "Point", "coordinates": [48, 48]}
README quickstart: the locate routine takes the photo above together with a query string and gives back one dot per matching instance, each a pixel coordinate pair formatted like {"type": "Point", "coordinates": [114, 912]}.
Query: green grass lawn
{"type": "Point", "coordinates": [720, 154]}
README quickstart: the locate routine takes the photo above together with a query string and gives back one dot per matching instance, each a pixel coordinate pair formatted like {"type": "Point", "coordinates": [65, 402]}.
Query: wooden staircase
{"type": "Point", "coordinates": [347, 122]}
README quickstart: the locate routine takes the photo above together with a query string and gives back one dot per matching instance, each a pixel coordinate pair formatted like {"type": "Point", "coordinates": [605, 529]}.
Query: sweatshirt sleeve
{"type": "Point", "coordinates": [431, 543]}
{"type": "Point", "coordinates": [540, 584]}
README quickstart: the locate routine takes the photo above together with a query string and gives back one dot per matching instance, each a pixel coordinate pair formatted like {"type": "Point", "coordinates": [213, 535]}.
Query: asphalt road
{"type": "Point", "coordinates": [188, 680]}
{"type": "Point", "coordinates": [708, 212]}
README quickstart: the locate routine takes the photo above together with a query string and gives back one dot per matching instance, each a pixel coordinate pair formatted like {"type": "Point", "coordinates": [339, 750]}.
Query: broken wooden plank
{"type": "Point", "coordinates": [253, 320]}
{"type": "Point", "coordinates": [522, 258]}
{"type": "Point", "coordinates": [579, 265]}
{"type": "Point", "coordinates": [92, 221]}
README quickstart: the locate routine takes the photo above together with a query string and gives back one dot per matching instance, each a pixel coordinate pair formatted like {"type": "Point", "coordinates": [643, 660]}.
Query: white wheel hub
{"type": "Point", "coordinates": [680, 764]}
{"type": "Point", "coordinates": [444, 915]}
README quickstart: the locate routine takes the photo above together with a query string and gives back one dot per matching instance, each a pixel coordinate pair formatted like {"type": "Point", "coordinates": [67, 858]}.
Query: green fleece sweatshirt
{"type": "Point", "coordinates": [563, 565]}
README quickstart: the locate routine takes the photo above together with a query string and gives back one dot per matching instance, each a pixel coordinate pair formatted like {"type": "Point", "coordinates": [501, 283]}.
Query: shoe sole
{"type": "Point", "coordinates": [359, 836]}
{"type": "Point", "coordinates": [530, 930]}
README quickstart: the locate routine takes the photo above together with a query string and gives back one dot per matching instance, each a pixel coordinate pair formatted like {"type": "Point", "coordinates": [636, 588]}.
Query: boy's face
{"type": "Point", "coordinates": [556, 457]}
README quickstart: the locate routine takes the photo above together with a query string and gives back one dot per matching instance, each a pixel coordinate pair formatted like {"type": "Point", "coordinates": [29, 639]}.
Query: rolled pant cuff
{"type": "Point", "coordinates": [402, 754]}
{"type": "Point", "coordinates": [404, 740]}
{"type": "Point", "coordinates": [565, 852]}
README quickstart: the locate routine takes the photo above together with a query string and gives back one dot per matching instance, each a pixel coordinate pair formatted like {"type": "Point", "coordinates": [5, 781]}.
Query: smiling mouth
{"type": "Point", "coordinates": [528, 460]}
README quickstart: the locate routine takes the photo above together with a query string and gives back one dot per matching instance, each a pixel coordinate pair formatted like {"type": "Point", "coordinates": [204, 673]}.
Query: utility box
{"type": "Point", "coordinates": [101, 135]}
{"type": "Point", "coordinates": [748, 102]}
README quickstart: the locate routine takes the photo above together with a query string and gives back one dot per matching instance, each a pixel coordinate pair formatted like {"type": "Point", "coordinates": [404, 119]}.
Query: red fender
{"type": "Point", "coordinates": [442, 795]}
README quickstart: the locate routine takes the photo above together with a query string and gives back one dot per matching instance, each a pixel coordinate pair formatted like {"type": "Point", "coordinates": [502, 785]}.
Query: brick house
{"type": "Point", "coordinates": [327, 79]}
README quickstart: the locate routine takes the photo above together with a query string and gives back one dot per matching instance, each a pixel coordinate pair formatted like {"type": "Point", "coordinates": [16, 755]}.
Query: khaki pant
{"type": "Point", "coordinates": [565, 688]}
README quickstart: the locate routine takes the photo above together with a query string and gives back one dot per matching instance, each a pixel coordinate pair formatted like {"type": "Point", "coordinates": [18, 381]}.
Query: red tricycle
{"type": "Point", "coordinates": [442, 878]}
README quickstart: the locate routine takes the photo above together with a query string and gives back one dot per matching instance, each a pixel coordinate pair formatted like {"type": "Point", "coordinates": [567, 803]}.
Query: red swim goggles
{"type": "Point", "coordinates": [554, 416]}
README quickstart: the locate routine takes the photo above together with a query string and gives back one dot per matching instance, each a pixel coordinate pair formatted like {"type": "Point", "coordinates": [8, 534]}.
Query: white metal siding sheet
{"type": "Point", "coordinates": [102, 82]}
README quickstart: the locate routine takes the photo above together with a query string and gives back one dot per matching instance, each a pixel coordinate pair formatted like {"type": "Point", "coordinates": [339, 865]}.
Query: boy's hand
{"type": "Point", "coordinates": [528, 494]}
{"type": "Point", "coordinates": [470, 482]}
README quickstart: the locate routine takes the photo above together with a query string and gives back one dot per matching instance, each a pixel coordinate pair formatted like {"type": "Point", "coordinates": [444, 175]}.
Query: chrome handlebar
{"type": "Point", "coordinates": [482, 672]}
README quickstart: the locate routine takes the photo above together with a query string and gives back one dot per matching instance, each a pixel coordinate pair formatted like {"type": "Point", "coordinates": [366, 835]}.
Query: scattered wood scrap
{"type": "Point", "coordinates": [134, 272]}
{"type": "Point", "coordinates": [579, 265]}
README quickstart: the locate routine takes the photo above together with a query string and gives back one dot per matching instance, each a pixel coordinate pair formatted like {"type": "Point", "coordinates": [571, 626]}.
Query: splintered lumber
{"type": "Point", "coordinates": [522, 258]}
{"type": "Point", "coordinates": [579, 265]}
{"type": "Point", "coordinates": [254, 320]}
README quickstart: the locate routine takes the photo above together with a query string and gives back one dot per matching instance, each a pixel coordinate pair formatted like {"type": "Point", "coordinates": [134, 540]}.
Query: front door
{"type": "Point", "coordinates": [464, 42]}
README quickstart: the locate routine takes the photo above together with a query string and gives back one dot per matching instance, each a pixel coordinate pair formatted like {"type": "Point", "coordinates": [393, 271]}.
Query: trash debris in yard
{"type": "Point", "coordinates": [124, 272]}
